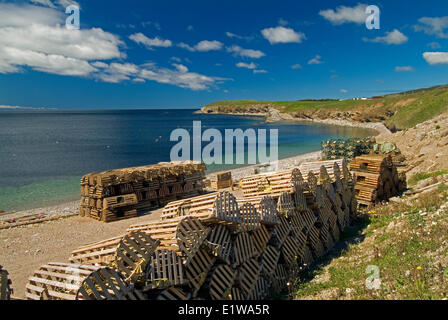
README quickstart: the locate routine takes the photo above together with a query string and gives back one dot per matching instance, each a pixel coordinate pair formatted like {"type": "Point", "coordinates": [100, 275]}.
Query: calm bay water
{"type": "Point", "coordinates": [43, 154]}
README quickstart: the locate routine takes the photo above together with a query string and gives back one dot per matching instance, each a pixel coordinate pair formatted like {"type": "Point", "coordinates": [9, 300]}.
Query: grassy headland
{"type": "Point", "coordinates": [397, 111]}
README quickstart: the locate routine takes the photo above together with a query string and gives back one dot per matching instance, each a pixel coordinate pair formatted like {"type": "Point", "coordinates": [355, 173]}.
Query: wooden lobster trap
{"type": "Point", "coordinates": [250, 219]}
{"type": "Point", "coordinates": [185, 235]}
{"type": "Point", "coordinates": [133, 254]}
{"type": "Point", "coordinates": [221, 282]}
{"type": "Point", "coordinates": [285, 205]}
{"type": "Point", "coordinates": [5, 285]}
{"type": "Point", "coordinates": [291, 250]}
{"type": "Point", "coordinates": [100, 253]}
{"type": "Point", "coordinates": [197, 269]}
{"type": "Point", "coordinates": [165, 269]}
{"type": "Point", "coordinates": [281, 231]}
{"type": "Point", "coordinates": [266, 207]}
{"type": "Point", "coordinates": [243, 248]}
{"type": "Point", "coordinates": [269, 261]}
{"type": "Point", "coordinates": [315, 243]}
{"type": "Point", "coordinates": [261, 289]}
{"type": "Point", "coordinates": [219, 207]}
{"type": "Point", "coordinates": [329, 166]}
{"type": "Point", "coordinates": [247, 275]}
{"type": "Point", "coordinates": [106, 284]}
{"type": "Point", "coordinates": [272, 184]}
{"type": "Point", "coordinates": [63, 281]}
{"type": "Point", "coordinates": [309, 219]}
{"type": "Point", "coordinates": [219, 243]}
{"type": "Point", "coordinates": [221, 180]}
{"type": "Point", "coordinates": [57, 281]}
{"type": "Point", "coordinates": [280, 278]}
{"type": "Point", "coordinates": [261, 238]}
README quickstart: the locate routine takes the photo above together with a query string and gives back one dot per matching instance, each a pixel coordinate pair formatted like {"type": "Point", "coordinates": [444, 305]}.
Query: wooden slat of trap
{"type": "Point", "coordinates": [173, 293]}
{"type": "Point", "coordinates": [221, 282]}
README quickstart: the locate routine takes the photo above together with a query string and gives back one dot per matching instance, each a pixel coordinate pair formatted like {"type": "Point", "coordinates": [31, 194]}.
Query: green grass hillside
{"type": "Point", "coordinates": [397, 111]}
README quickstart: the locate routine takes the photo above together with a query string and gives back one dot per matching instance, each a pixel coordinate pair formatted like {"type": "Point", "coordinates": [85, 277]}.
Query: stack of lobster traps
{"type": "Point", "coordinates": [221, 180]}
{"type": "Point", "coordinates": [124, 193]}
{"type": "Point", "coordinates": [5, 285]}
{"type": "Point", "coordinates": [346, 149]}
{"type": "Point", "coordinates": [377, 179]}
{"type": "Point", "coordinates": [213, 246]}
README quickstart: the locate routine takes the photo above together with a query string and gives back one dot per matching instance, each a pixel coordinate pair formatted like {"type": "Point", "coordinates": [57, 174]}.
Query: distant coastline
{"type": "Point", "coordinates": [274, 115]}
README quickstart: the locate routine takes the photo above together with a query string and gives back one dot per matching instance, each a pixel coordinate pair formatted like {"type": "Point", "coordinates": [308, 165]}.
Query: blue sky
{"type": "Point", "coordinates": [185, 54]}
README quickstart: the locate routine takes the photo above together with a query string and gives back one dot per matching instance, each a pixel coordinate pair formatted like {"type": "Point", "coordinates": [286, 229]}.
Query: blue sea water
{"type": "Point", "coordinates": [43, 154]}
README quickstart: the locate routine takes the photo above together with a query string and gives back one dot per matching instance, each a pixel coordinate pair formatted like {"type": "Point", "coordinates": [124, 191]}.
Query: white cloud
{"type": "Point", "coordinates": [35, 37]}
{"type": "Point", "coordinates": [203, 46]}
{"type": "Point", "coordinates": [433, 26]}
{"type": "Point", "coordinates": [296, 66]}
{"type": "Point", "coordinates": [343, 90]}
{"type": "Point", "coordinates": [50, 4]}
{"type": "Point", "coordinates": [259, 71]}
{"type": "Point", "coordinates": [118, 72]}
{"type": "Point", "coordinates": [392, 37]}
{"type": "Point", "coordinates": [344, 14]}
{"type": "Point", "coordinates": [233, 35]}
{"type": "Point", "coordinates": [149, 43]}
{"type": "Point", "coordinates": [47, 3]}
{"type": "Point", "coordinates": [404, 69]}
{"type": "Point", "coordinates": [180, 77]}
{"type": "Point", "coordinates": [247, 53]}
{"type": "Point", "coordinates": [282, 35]}
{"type": "Point", "coordinates": [206, 45]}
{"type": "Point", "coordinates": [246, 65]}
{"type": "Point", "coordinates": [316, 60]}
{"type": "Point", "coordinates": [434, 58]}
{"type": "Point", "coordinates": [99, 64]}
